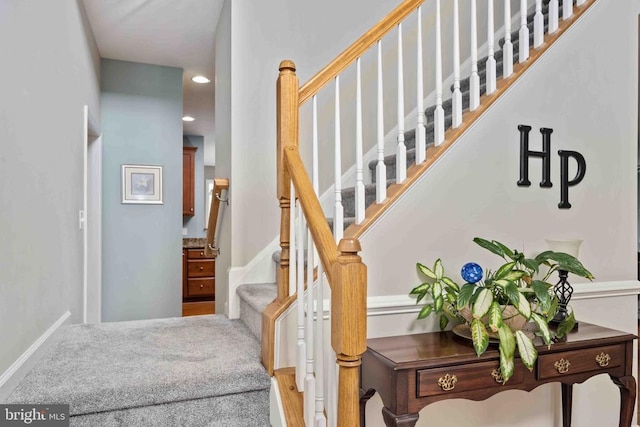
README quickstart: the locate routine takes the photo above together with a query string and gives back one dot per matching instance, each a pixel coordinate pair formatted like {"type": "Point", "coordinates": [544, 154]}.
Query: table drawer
{"type": "Point", "coordinates": [453, 379]}
{"type": "Point", "coordinates": [200, 287]}
{"type": "Point", "coordinates": [578, 361]}
{"type": "Point", "coordinates": [196, 254]}
{"type": "Point", "coordinates": [202, 268]}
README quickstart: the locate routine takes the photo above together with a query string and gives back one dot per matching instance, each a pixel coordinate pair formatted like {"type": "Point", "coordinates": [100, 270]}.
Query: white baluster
{"type": "Point", "coordinates": [314, 145]}
{"type": "Point", "coordinates": [474, 80]}
{"type": "Point", "coordinates": [553, 16]}
{"type": "Point", "coordinates": [524, 33]}
{"type": "Point", "coordinates": [507, 48]}
{"type": "Point", "coordinates": [456, 106]}
{"type": "Point", "coordinates": [421, 132]}
{"type": "Point", "coordinates": [580, 2]}
{"type": "Point", "coordinates": [438, 113]}
{"type": "Point", "coordinates": [401, 149]}
{"type": "Point", "coordinates": [318, 337]}
{"type": "Point", "coordinates": [490, 70]}
{"type": "Point", "coordinates": [320, 419]}
{"type": "Point", "coordinates": [309, 379]}
{"type": "Point", "coordinates": [567, 9]}
{"type": "Point", "coordinates": [301, 351]}
{"type": "Point", "coordinates": [292, 242]}
{"type": "Point", "coordinates": [381, 169]}
{"type": "Point", "coordinates": [338, 211]}
{"type": "Point", "coordinates": [359, 191]}
{"type": "Point", "coordinates": [538, 25]}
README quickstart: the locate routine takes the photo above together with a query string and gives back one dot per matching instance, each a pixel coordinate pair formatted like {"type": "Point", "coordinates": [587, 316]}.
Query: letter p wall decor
{"type": "Point", "coordinates": [545, 155]}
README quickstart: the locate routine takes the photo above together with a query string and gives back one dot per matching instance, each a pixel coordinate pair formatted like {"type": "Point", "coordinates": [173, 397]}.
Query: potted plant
{"type": "Point", "coordinates": [491, 303]}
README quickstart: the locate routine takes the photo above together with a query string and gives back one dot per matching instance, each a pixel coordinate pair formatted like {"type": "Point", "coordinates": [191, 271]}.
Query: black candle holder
{"type": "Point", "coordinates": [563, 291]}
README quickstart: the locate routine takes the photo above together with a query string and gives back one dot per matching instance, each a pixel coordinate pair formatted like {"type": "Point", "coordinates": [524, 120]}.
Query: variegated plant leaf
{"type": "Point", "coordinates": [438, 302]}
{"type": "Point", "coordinates": [527, 350]}
{"type": "Point", "coordinates": [504, 270]}
{"type": "Point", "coordinates": [514, 275]}
{"type": "Point", "coordinates": [507, 341]}
{"type": "Point", "coordinates": [444, 321]}
{"type": "Point", "coordinates": [420, 288]}
{"type": "Point", "coordinates": [543, 327]}
{"type": "Point", "coordinates": [425, 311]}
{"type": "Point", "coordinates": [495, 316]}
{"type": "Point", "coordinates": [506, 366]}
{"type": "Point", "coordinates": [426, 271]}
{"type": "Point", "coordinates": [450, 283]}
{"type": "Point", "coordinates": [479, 336]}
{"type": "Point", "coordinates": [438, 269]}
{"type": "Point", "coordinates": [482, 304]}
{"type": "Point", "coordinates": [523, 306]}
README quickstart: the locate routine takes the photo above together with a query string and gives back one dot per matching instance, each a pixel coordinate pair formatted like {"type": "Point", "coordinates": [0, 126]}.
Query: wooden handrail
{"type": "Point", "coordinates": [318, 226]}
{"type": "Point", "coordinates": [357, 49]}
{"type": "Point", "coordinates": [219, 184]}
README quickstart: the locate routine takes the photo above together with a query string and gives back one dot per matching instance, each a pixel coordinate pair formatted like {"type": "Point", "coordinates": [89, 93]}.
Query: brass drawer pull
{"type": "Point", "coordinates": [201, 268]}
{"type": "Point", "coordinates": [603, 359]}
{"type": "Point", "coordinates": [562, 366]}
{"type": "Point", "coordinates": [497, 375]}
{"type": "Point", "coordinates": [448, 382]}
{"type": "Point", "coordinates": [201, 286]}
{"type": "Point", "coordinates": [201, 253]}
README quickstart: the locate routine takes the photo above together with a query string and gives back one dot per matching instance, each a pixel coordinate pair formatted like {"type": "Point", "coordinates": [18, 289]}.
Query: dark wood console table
{"type": "Point", "coordinates": [406, 370]}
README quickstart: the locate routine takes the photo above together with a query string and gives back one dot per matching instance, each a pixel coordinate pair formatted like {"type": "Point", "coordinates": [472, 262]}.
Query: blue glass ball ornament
{"type": "Point", "coordinates": [471, 272]}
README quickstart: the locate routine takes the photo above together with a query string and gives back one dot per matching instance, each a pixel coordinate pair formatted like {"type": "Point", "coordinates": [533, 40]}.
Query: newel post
{"type": "Point", "coordinates": [287, 135]}
{"type": "Point", "coordinates": [349, 326]}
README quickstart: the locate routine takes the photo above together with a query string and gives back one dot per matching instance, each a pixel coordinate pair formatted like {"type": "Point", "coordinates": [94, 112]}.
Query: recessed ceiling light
{"type": "Point", "coordinates": [200, 79]}
{"type": "Point", "coordinates": [187, 119]}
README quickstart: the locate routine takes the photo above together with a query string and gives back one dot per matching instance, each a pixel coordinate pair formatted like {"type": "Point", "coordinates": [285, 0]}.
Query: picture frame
{"type": "Point", "coordinates": [142, 184]}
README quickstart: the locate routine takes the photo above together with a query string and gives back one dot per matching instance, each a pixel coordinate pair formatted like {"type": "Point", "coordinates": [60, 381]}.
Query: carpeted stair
{"type": "Point", "coordinates": [191, 371]}
{"type": "Point", "coordinates": [254, 298]}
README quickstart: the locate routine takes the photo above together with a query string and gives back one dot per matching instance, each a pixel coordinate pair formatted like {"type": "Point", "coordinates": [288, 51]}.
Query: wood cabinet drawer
{"type": "Point", "coordinates": [200, 287]}
{"type": "Point", "coordinates": [579, 361]}
{"type": "Point", "coordinates": [204, 268]}
{"type": "Point", "coordinates": [196, 254]}
{"type": "Point", "coordinates": [453, 379]}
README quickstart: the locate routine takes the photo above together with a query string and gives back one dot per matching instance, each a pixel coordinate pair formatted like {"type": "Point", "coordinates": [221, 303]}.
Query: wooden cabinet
{"type": "Point", "coordinates": [188, 180]}
{"type": "Point", "coordinates": [199, 276]}
{"type": "Point", "coordinates": [413, 371]}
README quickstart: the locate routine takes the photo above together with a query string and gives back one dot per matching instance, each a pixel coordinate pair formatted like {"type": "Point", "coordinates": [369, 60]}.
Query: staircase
{"type": "Point", "coordinates": [416, 152]}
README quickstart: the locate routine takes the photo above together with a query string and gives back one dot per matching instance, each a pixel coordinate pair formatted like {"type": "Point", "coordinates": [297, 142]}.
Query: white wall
{"type": "Point", "coordinates": [472, 191]}
{"type": "Point", "coordinates": [51, 70]}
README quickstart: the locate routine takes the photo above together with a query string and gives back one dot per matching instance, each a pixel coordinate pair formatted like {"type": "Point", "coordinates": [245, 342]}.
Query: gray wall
{"type": "Point", "coordinates": [141, 118]}
{"type": "Point", "coordinates": [223, 148]}
{"type": "Point", "coordinates": [53, 72]}
{"type": "Point", "coordinates": [195, 224]}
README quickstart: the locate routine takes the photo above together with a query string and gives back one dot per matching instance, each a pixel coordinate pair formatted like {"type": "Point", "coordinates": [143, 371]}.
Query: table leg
{"type": "Point", "coordinates": [393, 420]}
{"type": "Point", "coordinates": [627, 386]}
{"type": "Point", "coordinates": [364, 398]}
{"type": "Point", "coordinates": [567, 403]}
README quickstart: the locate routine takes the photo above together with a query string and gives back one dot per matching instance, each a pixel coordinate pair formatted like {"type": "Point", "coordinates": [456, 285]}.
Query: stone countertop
{"type": "Point", "coordinates": [190, 242]}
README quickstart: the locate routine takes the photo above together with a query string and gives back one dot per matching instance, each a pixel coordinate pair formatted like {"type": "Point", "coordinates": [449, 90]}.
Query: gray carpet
{"type": "Point", "coordinates": [253, 300]}
{"type": "Point", "coordinates": [132, 365]}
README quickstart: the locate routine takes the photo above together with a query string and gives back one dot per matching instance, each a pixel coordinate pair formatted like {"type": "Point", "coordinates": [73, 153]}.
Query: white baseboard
{"type": "Point", "coordinates": [276, 412]}
{"type": "Point", "coordinates": [12, 376]}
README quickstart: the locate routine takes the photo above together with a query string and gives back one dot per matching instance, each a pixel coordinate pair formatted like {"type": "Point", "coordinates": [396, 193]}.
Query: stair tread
{"type": "Point", "coordinates": [151, 362]}
{"type": "Point", "coordinates": [258, 295]}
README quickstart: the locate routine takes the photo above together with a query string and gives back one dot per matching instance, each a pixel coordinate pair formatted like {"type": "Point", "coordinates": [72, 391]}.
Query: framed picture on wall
{"type": "Point", "coordinates": [142, 184]}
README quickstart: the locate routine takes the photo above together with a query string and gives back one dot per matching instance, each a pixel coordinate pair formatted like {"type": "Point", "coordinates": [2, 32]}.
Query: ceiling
{"type": "Point", "coordinates": [170, 33]}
